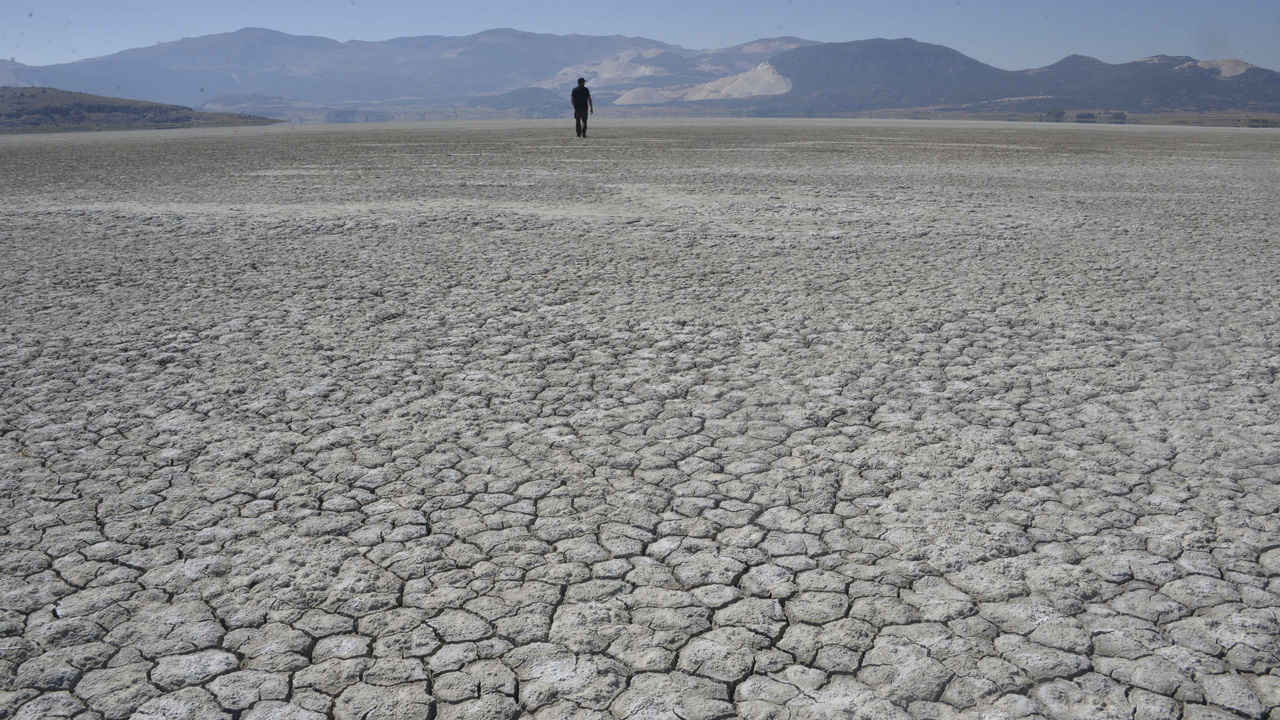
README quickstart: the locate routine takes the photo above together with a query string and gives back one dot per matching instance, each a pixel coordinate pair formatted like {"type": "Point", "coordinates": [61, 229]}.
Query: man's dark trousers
{"type": "Point", "coordinates": [580, 120]}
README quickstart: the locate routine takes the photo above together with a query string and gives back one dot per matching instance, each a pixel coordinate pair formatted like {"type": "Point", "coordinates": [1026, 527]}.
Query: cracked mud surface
{"type": "Point", "coordinates": [688, 420]}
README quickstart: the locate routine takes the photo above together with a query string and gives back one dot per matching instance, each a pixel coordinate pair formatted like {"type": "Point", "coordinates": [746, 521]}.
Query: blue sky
{"type": "Point", "coordinates": [1010, 34]}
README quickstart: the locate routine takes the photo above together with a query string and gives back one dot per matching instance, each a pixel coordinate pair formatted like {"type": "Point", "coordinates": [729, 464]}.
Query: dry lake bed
{"type": "Point", "coordinates": [687, 420]}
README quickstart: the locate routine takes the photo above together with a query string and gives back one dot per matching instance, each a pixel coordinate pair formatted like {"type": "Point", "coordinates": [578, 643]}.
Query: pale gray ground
{"type": "Point", "coordinates": [688, 420]}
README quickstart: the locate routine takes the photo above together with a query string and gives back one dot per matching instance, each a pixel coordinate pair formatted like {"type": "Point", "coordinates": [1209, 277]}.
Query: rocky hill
{"type": "Point", "coordinates": [45, 109]}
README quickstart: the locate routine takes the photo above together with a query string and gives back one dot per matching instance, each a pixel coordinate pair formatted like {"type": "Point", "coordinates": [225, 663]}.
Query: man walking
{"type": "Point", "coordinates": [582, 105]}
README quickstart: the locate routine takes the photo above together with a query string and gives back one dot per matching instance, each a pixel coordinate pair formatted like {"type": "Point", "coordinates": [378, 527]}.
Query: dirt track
{"type": "Point", "coordinates": [796, 419]}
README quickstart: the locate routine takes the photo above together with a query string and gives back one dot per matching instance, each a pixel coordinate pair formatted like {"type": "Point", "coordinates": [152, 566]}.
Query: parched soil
{"type": "Point", "coordinates": [758, 419]}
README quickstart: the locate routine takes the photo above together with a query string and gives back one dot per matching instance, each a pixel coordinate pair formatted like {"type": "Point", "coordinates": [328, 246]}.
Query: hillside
{"type": "Point", "coordinates": [890, 73]}
{"type": "Point", "coordinates": [10, 72]}
{"type": "Point", "coordinates": [45, 109]}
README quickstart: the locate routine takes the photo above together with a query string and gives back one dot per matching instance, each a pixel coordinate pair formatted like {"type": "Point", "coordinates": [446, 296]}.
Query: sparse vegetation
{"type": "Point", "coordinates": [52, 110]}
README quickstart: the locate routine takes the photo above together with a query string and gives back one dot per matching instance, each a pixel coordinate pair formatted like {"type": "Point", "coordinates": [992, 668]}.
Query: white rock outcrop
{"type": "Point", "coordinates": [764, 80]}
{"type": "Point", "coordinates": [1226, 68]}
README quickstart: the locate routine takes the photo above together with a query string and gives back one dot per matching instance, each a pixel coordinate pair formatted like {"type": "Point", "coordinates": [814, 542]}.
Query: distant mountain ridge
{"type": "Point", "coordinates": [268, 72]}
{"type": "Point", "coordinates": [1157, 84]}
{"type": "Point", "coordinates": [315, 69]}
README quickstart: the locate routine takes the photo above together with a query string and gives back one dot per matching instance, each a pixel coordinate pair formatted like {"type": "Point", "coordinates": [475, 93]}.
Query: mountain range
{"type": "Point", "coordinates": [275, 74]}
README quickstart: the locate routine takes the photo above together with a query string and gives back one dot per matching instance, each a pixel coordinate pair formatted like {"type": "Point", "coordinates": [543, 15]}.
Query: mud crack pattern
{"type": "Point", "coordinates": [688, 420]}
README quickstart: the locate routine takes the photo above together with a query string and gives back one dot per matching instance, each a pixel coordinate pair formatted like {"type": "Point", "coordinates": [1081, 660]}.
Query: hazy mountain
{"type": "Point", "coordinates": [312, 78]}
{"type": "Point", "coordinates": [873, 74]}
{"type": "Point", "coordinates": [1157, 83]}
{"type": "Point", "coordinates": [265, 62]}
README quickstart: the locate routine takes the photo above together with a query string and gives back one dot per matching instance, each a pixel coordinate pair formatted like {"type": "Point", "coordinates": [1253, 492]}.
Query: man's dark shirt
{"type": "Point", "coordinates": [580, 96]}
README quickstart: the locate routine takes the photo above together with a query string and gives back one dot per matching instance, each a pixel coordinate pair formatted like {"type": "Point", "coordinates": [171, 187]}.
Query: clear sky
{"type": "Point", "coordinates": [1010, 34]}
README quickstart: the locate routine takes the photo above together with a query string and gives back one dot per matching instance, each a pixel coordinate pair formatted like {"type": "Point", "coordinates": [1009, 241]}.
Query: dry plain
{"type": "Point", "coordinates": [758, 419]}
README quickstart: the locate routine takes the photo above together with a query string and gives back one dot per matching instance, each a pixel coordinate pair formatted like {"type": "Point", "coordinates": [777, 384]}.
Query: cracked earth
{"type": "Point", "coordinates": [688, 420]}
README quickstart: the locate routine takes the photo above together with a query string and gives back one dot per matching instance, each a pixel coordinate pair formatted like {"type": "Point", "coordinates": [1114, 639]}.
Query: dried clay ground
{"type": "Point", "coordinates": [685, 420]}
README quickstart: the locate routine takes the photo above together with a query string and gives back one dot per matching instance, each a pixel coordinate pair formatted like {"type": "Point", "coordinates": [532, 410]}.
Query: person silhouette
{"type": "Point", "coordinates": [582, 106]}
